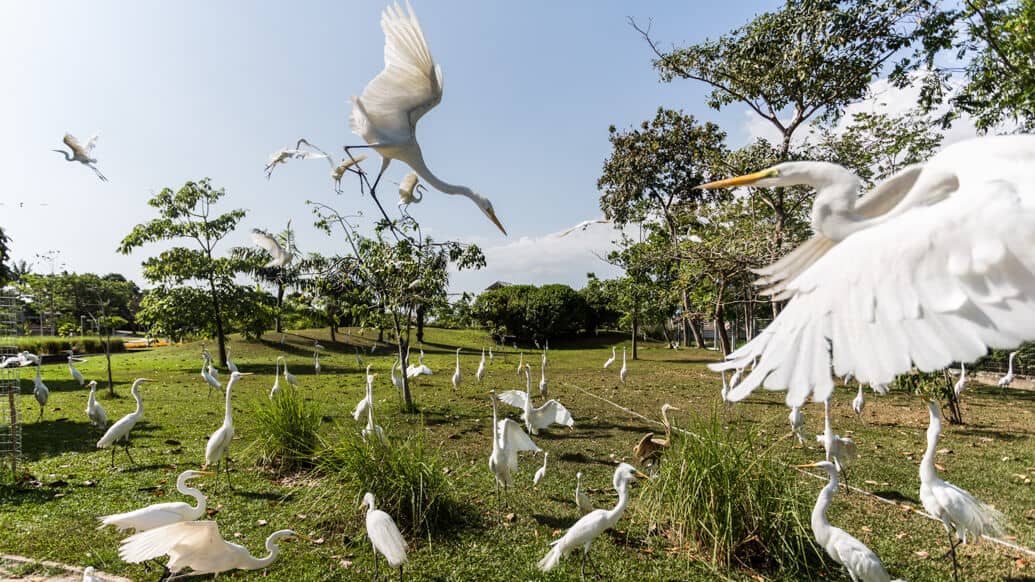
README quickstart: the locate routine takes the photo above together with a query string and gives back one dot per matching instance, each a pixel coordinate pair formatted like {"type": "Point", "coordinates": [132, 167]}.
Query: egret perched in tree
{"type": "Point", "coordinates": [610, 360]}
{"type": "Point", "coordinates": [120, 430]}
{"type": "Point", "coordinates": [367, 400]}
{"type": "Point", "coordinates": [199, 546]}
{"type": "Point", "coordinates": [624, 372]}
{"type": "Point", "coordinates": [456, 374]}
{"type": "Point", "coordinates": [838, 449]}
{"type": "Point", "coordinates": [410, 85]}
{"type": "Point", "coordinates": [218, 448]}
{"type": "Point", "coordinates": [551, 412]}
{"type": "Point", "coordinates": [94, 410]}
{"type": "Point", "coordinates": [507, 441]}
{"type": "Point", "coordinates": [650, 448]}
{"type": "Point", "coordinates": [591, 525]}
{"type": "Point", "coordinates": [581, 499]}
{"type": "Point", "coordinates": [206, 374]}
{"type": "Point", "coordinates": [276, 380]}
{"type": "Point", "coordinates": [384, 536]}
{"type": "Point", "coordinates": [1006, 380]}
{"type": "Point", "coordinates": [481, 368]}
{"type": "Point", "coordinates": [288, 376]}
{"type": "Point", "coordinates": [858, 402]}
{"type": "Point", "coordinates": [797, 424]}
{"type": "Point", "coordinates": [410, 190]}
{"type": "Point", "coordinates": [541, 471]}
{"type": "Point", "coordinates": [958, 511]}
{"type": "Point", "coordinates": [962, 382]}
{"type": "Point", "coordinates": [75, 373]}
{"type": "Point", "coordinates": [931, 261]}
{"type": "Point", "coordinates": [862, 564]}
{"type": "Point", "coordinates": [81, 154]}
{"type": "Point", "coordinates": [229, 364]}
{"type": "Point", "coordinates": [40, 391]}
{"type": "Point", "coordinates": [161, 514]}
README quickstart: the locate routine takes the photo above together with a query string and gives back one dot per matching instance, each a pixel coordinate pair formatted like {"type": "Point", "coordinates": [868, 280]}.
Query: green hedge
{"type": "Point", "coordinates": [50, 345]}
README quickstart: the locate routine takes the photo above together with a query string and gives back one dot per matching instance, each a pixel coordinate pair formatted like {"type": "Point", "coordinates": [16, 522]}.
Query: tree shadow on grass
{"type": "Point", "coordinates": [13, 495]}
{"type": "Point", "coordinates": [49, 438]}
{"type": "Point", "coordinates": [896, 496]}
{"type": "Point", "coordinates": [583, 459]}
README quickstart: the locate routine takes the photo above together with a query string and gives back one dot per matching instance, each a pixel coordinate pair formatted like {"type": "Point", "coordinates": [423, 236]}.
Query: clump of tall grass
{"type": "Point", "coordinates": [288, 428]}
{"type": "Point", "coordinates": [51, 345]}
{"type": "Point", "coordinates": [408, 480]}
{"type": "Point", "coordinates": [734, 502]}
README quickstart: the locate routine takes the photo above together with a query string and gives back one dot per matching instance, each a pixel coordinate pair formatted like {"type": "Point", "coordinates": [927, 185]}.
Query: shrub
{"type": "Point", "coordinates": [736, 503]}
{"type": "Point", "coordinates": [289, 428]}
{"type": "Point", "coordinates": [50, 345]}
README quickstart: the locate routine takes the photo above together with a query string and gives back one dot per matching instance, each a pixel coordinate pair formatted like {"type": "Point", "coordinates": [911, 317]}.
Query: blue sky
{"type": "Point", "coordinates": [191, 89]}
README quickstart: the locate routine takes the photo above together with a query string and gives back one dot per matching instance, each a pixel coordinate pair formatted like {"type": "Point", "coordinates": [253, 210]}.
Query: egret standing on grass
{"type": "Point", "coordinates": [40, 391]}
{"type": "Point", "coordinates": [218, 448]}
{"type": "Point", "coordinates": [581, 499]}
{"type": "Point", "coordinates": [838, 449]}
{"type": "Point", "coordinates": [120, 430]}
{"type": "Point", "coordinates": [98, 416]}
{"type": "Point", "coordinates": [75, 373]}
{"type": "Point", "coordinates": [481, 368]}
{"type": "Point", "coordinates": [507, 441]}
{"type": "Point", "coordinates": [958, 511]}
{"type": "Point", "coordinates": [81, 154]}
{"type": "Point", "coordinates": [541, 471]}
{"type": "Point", "coordinates": [229, 364]}
{"type": "Point", "coordinates": [858, 402]}
{"type": "Point", "coordinates": [625, 369]}
{"type": "Point", "coordinates": [367, 400]}
{"type": "Point", "coordinates": [161, 514]}
{"type": "Point", "coordinates": [610, 360]}
{"type": "Point", "coordinates": [291, 379]}
{"type": "Point", "coordinates": [384, 536]}
{"type": "Point", "coordinates": [797, 424]}
{"type": "Point", "coordinates": [591, 525]}
{"type": "Point", "coordinates": [456, 374]}
{"type": "Point", "coordinates": [1006, 380]}
{"type": "Point", "coordinates": [206, 374]}
{"type": "Point", "coordinates": [410, 85]}
{"type": "Point", "coordinates": [276, 380]}
{"type": "Point", "coordinates": [962, 382]}
{"type": "Point", "coordinates": [372, 428]}
{"type": "Point", "coordinates": [521, 364]}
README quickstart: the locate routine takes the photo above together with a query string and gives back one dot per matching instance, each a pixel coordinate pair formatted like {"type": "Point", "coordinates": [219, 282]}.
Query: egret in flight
{"type": "Point", "coordinates": [507, 441]}
{"type": "Point", "coordinates": [410, 85]}
{"type": "Point", "coordinates": [536, 419]}
{"type": "Point", "coordinates": [80, 153]}
{"type": "Point", "coordinates": [281, 256]}
{"type": "Point", "coordinates": [930, 267]}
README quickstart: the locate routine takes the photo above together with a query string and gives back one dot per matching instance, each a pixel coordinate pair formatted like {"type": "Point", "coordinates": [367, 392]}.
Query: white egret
{"type": "Point", "coordinates": [316, 362]}
{"type": "Point", "coordinates": [384, 536]}
{"type": "Point", "coordinates": [490, 354]}
{"type": "Point", "coordinates": [583, 226]}
{"type": "Point", "coordinates": [862, 564]}
{"type": "Point", "coordinates": [838, 449]}
{"type": "Point", "coordinates": [481, 368]}
{"type": "Point", "coordinates": [94, 411]}
{"type": "Point", "coordinates": [610, 360]}
{"type": "Point", "coordinates": [507, 441]}
{"type": "Point", "coordinates": [797, 420]}
{"type": "Point", "coordinates": [276, 380]}
{"type": "Point", "coordinates": [581, 499]}
{"type": "Point", "coordinates": [76, 375]}
{"type": "Point", "coordinates": [206, 374]}
{"type": "Point", "coordinates": [1006, 380]}
{"type": "Point", "coordinates": [338, 172]}
{"type": "Point", "coordinates": [420, 369]}
{"type": "Point", "coordinates": [929, 268]}
{"type": "Point", "coordinates": [521, 364]}
{"type": "Point", "coordinates": [120, 430]}
{"type": "Point", "coordinates": [161, 514]}
{"type": "Point", "coordinates": [372, 428]}
{"type": "Point", "coordinates": [410, 85]}
{"type": "Point", "coordinates": [542, 363]}
{"type": "Point", "coordinates": [410, 190]}
{"type": "Point", "coordinates": [958, 511]}
{"type": "Point", "coordinates": [366, 401]}
{"type": "Point", "coordinates": [962, 382]}
{"type": "Point", "coordinates": [40, 391]}
{"type": "Point", "coordinates": [282, 156]}
{"type": "Point", "coordinates": [288, 376]}
{"type": "Point", "coordinates": [724, 392]}
{"type": "Point", "coordinates": [318, 346]}
{"type": "Point", "coordinates": [858, 402]}
{"type": "Point", "coordinates": [457, 377]}
{"type": "Point", "coordinates": [551, 412]}
{"type": "Point", "coordinates": [199, 546]}
{"type": "Point", "coordinates": [541, 471]}
{"type": "Point", "coordinates": [229, 364]}
{"type": "Point", "coordinates": [280, 256]}
{"type": "Point", "coordinates": [650, 448]}
{"type": "Point", "coordinates": [624, 372]}
{"type": "Point", "coordinates": [88, 575]}
{"type": "Point", "coordinates": [542, 379]}
{"type": "Point", "coordinates": [397, 379]}
{"type": "Point", "coordinates": [591, 525]}
{"type": "Point", "coordinates": [80, 153]}
{"type": "Point", "coordinates": [218, 448]}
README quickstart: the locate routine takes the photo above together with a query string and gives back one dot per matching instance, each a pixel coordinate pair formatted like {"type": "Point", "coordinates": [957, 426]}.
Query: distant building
{"type": "Point", "coordinates": [498, 285]}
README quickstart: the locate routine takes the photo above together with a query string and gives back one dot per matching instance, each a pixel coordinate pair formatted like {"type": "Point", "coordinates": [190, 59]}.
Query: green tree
{"type": "Point", "coordinates": [280, 278]}
{"type": "Point", "coordinates": [187, 214]}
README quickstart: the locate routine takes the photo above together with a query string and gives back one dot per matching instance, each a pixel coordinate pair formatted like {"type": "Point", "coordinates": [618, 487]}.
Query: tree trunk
{"type": "Point", "coordinates": [107, 356]}
{"type": "Point", "coordinates": [695, 329]}
{"type": "Point", "coordinates": [635, 331]}
{"type": "Point", "coordinates": [955, 413]}
{"type": "Point", "coordinates": [220, 340]}
{"type": "Point", "coordinates": [334, 330]}
{"type": "Point", "coordinates": [280, 305]}
{"type": "Point", "coordinates": [420, 323]}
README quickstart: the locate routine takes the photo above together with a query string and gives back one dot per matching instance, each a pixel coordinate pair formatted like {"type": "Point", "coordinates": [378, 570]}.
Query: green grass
{"type": "Point", "coordinates": [74, 484]}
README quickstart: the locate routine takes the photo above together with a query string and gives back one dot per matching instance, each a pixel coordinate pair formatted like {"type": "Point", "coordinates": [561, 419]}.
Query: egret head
{"type": "Point", "coordinates": [486, 205]}
{"type": "Point", "coordinates": [368, 501]}
{"type": "Point", "coordinates": [624, 474]}
{"type": "Point", "coordinates": [827, 466]}
{"type": "Point", "coordinates": [286, 534]}
{"type": "Point", "coordinates": [191, 474]}
{"type": "Point", "coordinates": [92, 384]}
{"type": "Point", "coordinates": [786, 174]}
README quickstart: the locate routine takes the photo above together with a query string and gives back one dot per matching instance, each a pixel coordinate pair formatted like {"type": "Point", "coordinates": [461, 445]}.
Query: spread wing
{"type": "Point", "coordinates": [408, 87]}
{"type": "Point", "coordinates": [266, 241]}
{"type": "Point", "coordinates": [514, 398]}
{"type": "Point", "coordinates": [933, 285]}
{"type": "Point", "coordinates": [193, 535]}
{"type": "Point", "coordinates": [92, 142]}
{"type": "Point", "coordinates": [513, 440]}
{"type": "Point", "coordinates": [556, 413]}
{"type": "Point", "coordinates": [876, 202]}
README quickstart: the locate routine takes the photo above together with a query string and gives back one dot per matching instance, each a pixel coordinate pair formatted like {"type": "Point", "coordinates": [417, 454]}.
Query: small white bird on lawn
{"type": "Point", "coordinates": [797, 424]}
{"type": "Point", "coordinates": [541, 471]}
{"type": "Point", "coordinates": [962, 382]}
{"type": "Point", "coordinates": [291, 379]}
{"type": "Point", "coordinates": [591, 525]}
{"type": "Point", "coordinates": [610, 360]}
{"type": "Point", "coordinates": [98, 416]}
{"type": "Point", "coordinates": [551, 412]}
{"type": "Point", "coordinates": [384, 536]}
{"type": "Point", "coordinates": [457, 377]}
{"type": "Point", "coordinates": [838, 449]}
{"type": "Point", "coordinates": [625, 369]}
{"type": "Point", "coordinates": [365, 402]}
{"type": "Point", "coordinates": [507, 441]}
{"type": "Point", "coordinates": [161, 514]}
{"type": "Point", "coordinates": [372, 428]}
{"type": "Point", "coordinates": [397, 379]}
{"type": "Point", "coordinates": [40, 391]}
{"type": "Point", "coordinates": [581, 499]}
{"type": "Point", "coordinates": [207, 376]}
{"type": "Point", "coordinates": [75, 373]}
{"type": "Point", "coordinates": [82, 154]}
{"type": "Point", "coordinates": [862, 564]}
{"type": "Point", "coordinates": [316, 362]}
{"type": "Point", "coordinates": [199, 546]}
{"type": "Point", "coordinates": [120, 430]}
{"type": "Point", "coordinates": [1006, 380]}
{"type": "Point", "coordinates": [218, 448]}
{"type": "Point", "coordinates": [481, 368]}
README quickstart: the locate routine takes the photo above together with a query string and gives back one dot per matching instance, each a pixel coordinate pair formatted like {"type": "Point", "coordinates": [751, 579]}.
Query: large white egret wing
{"type": "Point", "coordinates": [931, 286]}
{"type": "Point", "coordinates": [514, 398]}
{"type": "Point", "coordinates": [361, 408]}
{"type": "Point", "coordinates": [92, 142]}
{"type": "Point", "coordinates": [878, 201]}
{"type": "Point", "coordinates": [198, 535]}
{"type": "Point", "coordinates": [409, 86]}
{"type": "Point", "coordinates": [513, 440]}
{"type": "Point", "coordinates": [266, 241]}
{"type": "Point", "coordinates": [972, 517]}
{"type": "Point", "coordinates": [860, 560]}
{"type": "Point", "coordinates": [385, 536]}
{"type": "Point", "coordinates": [556, 413]}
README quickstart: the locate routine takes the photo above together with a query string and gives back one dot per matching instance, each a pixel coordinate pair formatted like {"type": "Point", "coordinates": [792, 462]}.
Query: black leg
{"type": "Point", "coordinates": [400, 574]}
{"type": "Point", "coordinates": [112, 456]}
{"type": "Point", "coordinates": [226, 468]}
{"type": "Point", "coordinates": [952, 552]}
{"type": "Point", "coordinates": [582, 567]}
{"type": "Point", "coordinates": [134, 463]}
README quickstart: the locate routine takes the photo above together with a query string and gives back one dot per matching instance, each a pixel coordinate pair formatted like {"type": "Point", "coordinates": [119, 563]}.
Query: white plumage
{"type": "Point", "coordinates": [541, 471]}
{"type": "Point", "coordinates": [88, 575]}
{"type": "Point", "coordinates": [372, 428]}
{"type": "Point", "coordinates": [94, 411]}
{"type": "Point", "coordinates": [82, 154]}
{"type": "Point", "coordinates": [384, 536]}
{"type": "Point", "coordinates": [76, 375]}
{"type": "Point", "coordinates": [120, 430]}
{"type": "Point", "coordinates": [507, 441]}
{"type": "Point", "coordinates": [40, 390]}
{"type": "Point", "coordinates": [582, 500]}
{"type": "Point", "coordinates": [610, 360]}
{"type": "Point", "coordinates": [543, 389]}
{"type": "Point", "coordinates": [797, 420]}
{"type": "Point", "coordinates": [161, 514]}
{"type": "Point", "coordinates": [218, 448]}
{"type": "Point", "coordinates": [281, 257]}
{"type": "Point", "coordinates": [457, 376]}
{"type": "Point", "coordinates": [229, 364]}
{"type": "Point", "coordinates": [276, 379]}
{"type": "Point", "coordinates": [858, 403]}
{"type": "Point", "coordinates": [838, 449]}
{"type": "Point", "coordinates": [624, 372]}
{"type": "Point", "coordinates": [1006, 380]}
{"type": "Point", "coordinates": [933, 266]}
{"type": "Point", "coordinates": [481, 368]}
{"type": "Point", "coordinates": [420, 369]}
{"type": "Point", "coordinates": [962, 382]}
{"type": "Point", "coordinates": [551, 412]}
{"type": "Point", "coordinates": [365, 402]}
{"type": "Point", "coordinates": [288, 376]}
{"type": "Point", "coordinates": [207, 375]}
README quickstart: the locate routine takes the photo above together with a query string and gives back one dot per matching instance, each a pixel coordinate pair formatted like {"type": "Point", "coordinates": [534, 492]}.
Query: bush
{"type": "Point", "coordinates": [739, 505]}
{"type": "Point", "coordinates": [289, 428]}
{"type": "Point", "coordinates": [408, 482]}
{"type": "Point", "coordinates": [51, 345]}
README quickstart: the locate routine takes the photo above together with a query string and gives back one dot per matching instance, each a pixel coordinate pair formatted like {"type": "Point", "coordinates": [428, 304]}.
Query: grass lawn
{"type": "Point", "coordinates": [992, 456]}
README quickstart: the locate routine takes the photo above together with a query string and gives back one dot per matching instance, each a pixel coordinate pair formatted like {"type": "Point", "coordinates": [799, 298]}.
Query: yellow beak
{"type": "Point", "coordinates": [808, 466]}
{"type": "Point", "coordinates": [640, 475]}
{"type": "Point", "coordinates": [206, 472]}
{"type": "Point", "coordinates": [302, 537]}
{"type": "Point", "coordinates": [492, 216]}
{"type": "Point", "coordinates": [745, 180]}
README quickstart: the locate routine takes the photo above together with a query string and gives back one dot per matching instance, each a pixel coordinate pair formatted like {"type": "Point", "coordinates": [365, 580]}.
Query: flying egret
{"type": "Point", "coordinates": [282, 156]}
{"type": "Point", "coordinates": [161, 514]}
{"type": "Point", "coordinates": [932, 262]}
{"type": "Point", "coordinates": [199, 546]}
{"type": "Point", "coordinates": [624, 372]}
{"type": "Point", "coordinates": [541, 471]}
{"type": "Point", "coordinates": [372, 428]}
{"type": "Point", "coordinates": [838, 449]}
{"type": "Point", "coordinates": [120, 430]}
{"type": "Point", "coordinates": [78, 377]}
{"type": "Point", "coordinates": [581, 499]}
{"type": "Point", "coordinates": [583, 226]}
{"type": "Point", "coordinates": [962, 382]}
{"type": "Point", "coordinates": [650, 448]}
{"type": "Point", "coordinates": [457, 377]}
{"type": "Point", "coordinates": [507, 441]}
{"type": "Point", "coordinates": [96, 413]}
{"type": "Point", "coordinates": [610, 360]}
{"type": "Point", "coordinates": [858, 402]}
{"type": "Point", "coordinates": [80, 153]}
{"type": "Point", "coordinates": [410, 85]}
{"type": "Point", "coordinates": [276, 380]}
{"type": "Point", "coordinates": [366, 401]}
{"type": "Point", "coordinates": [206, 374]}
{"type": "Point", "coordinates": [958, 511]}
{"type": "Point", "coordinates": [346, 165]}
{"type": "Point", "coordinates": [288, 376]}
{"type": "Point", "coordinates": [591, 525]}
{"type": "Point", "coordinates": [862, 564]}
{"type": "Point", "coordinates": [551, 412]}
{"type": "Point", "coordinates": [410, 190]}
{"type": "Point", "coordinates": [280, 256]}
{"type": "Point", "coordinates": [797, 420]}
{"type": "Point", "coordinates": [1006, 380]}
{"type": "Point", "coordinates": [218, 448]}
{"type": "Point", "coordinates": [542, 363]}
{"type": "Point", "coordinates": [481, 368]}
{"type": "Point", "coordinates": [384, 536]}
{"type": "Point", "coordinates": [40, 391]}
{"type": "Point", "coordinates": [229, 364]}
